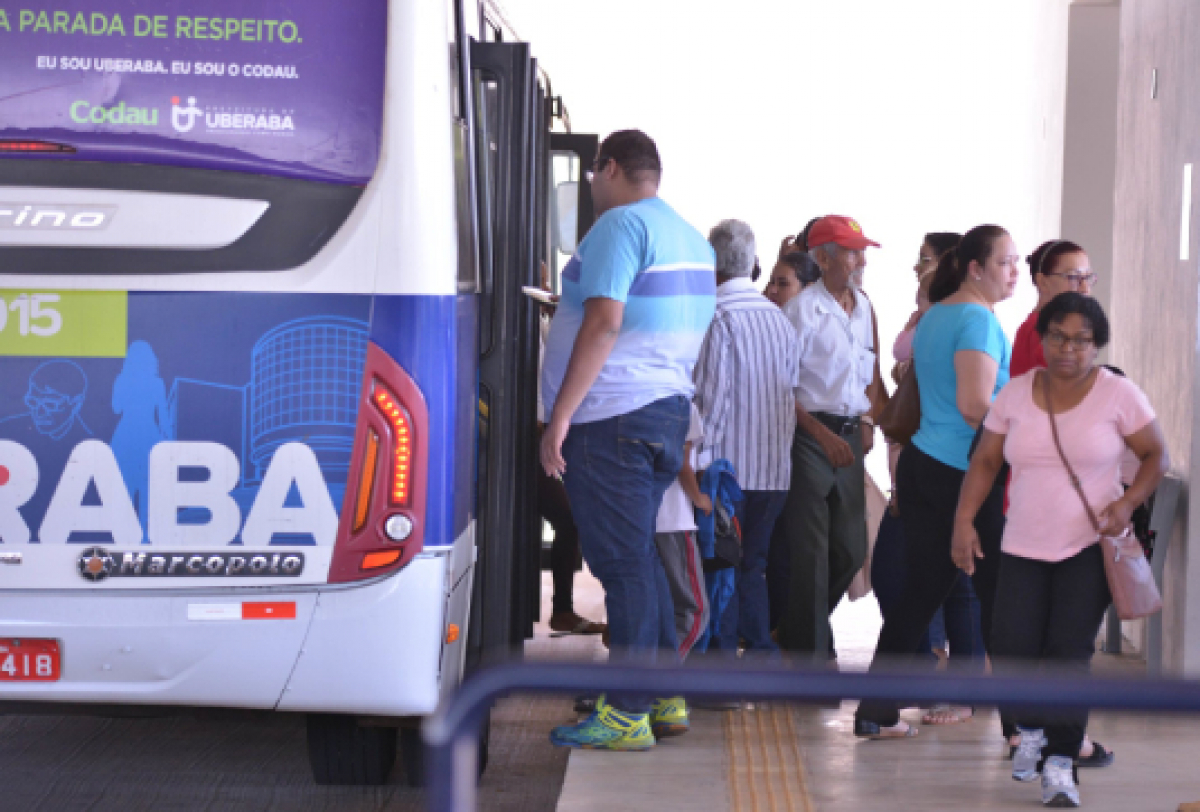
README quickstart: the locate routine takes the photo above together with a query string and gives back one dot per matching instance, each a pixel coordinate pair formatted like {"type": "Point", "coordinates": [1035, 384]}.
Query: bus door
{"type": "Point", "coordinates": [524, 176]}
{"type": "Point", "coordinates": [571, 215]}
{"type": "Point", "coordinates": [510, 124]}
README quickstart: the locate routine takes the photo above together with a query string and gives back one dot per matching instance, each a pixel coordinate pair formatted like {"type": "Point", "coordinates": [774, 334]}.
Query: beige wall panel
{"type": "Point", "coordinates": [1154, 299]}
{"type": "Point", "coordinates": [1090, 137]}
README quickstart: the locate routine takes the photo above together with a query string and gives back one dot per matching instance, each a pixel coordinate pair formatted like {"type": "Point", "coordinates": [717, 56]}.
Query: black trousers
{"type": "Point", "coordinates": [824, 526]}
{"type": "Point", "coordinates": [555, 508]}
{"type": "Point", "coordinates": [927, 492]}
{"type": "Point", "coordinates": [1048, 614]}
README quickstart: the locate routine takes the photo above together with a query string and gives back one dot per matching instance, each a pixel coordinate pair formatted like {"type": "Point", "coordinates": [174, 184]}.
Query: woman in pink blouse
{"type": "Point", "coordinates": [1052, 592]}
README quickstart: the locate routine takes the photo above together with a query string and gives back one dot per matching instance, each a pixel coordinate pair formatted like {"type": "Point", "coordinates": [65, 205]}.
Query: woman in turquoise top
{"type": "Point", "coordinates": [961, 356]}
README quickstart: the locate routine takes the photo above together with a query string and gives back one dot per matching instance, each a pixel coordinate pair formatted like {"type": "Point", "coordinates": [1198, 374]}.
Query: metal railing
{"type": "Point", "coordinates": [451, 734]}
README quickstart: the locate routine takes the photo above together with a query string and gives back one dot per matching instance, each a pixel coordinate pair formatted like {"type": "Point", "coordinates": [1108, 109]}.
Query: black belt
{"type": "Point", "coordinates": [841, 425]}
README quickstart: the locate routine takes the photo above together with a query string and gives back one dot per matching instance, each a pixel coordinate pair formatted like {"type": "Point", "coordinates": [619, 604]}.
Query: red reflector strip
{"type": "Point", "coordinates": [269, 610]}
{"type": "Point", "coordinates": [251, 610]}
{"type": "Point", "coordinates": [402, 454]}
{"type": "Point", "coordinates": [33, 146]}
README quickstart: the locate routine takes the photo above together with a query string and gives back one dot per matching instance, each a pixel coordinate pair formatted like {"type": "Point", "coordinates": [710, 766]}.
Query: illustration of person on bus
{"type": "Point", "coordinates": [140, 398]}
{"type": "Point", "coordinates": [52, 423]}
{"type": "Point", "coordinates": [55, 395]}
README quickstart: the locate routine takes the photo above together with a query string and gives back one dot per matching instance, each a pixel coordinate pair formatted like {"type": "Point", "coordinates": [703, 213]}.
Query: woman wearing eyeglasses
{"type": "Point", "coordinates": [1052, 592]}
{"type": "Point", "coordinates": [1056, 266]}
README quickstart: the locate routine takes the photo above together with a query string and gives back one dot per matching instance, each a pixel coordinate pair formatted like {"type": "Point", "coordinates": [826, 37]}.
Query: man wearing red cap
{"type": "Point", "coordinates": [824, 520]}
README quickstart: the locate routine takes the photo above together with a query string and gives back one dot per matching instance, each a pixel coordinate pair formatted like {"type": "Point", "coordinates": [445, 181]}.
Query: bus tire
{"type": "Point", "coordinates": [341, 752]}
{"type": "Point", "coordinates": [412, 753]}
{"type": "Point", "coordinates": [484, 735]}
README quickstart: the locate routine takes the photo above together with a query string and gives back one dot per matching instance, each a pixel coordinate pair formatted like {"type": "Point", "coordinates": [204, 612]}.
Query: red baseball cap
{"type": "Point", "coordinates": [844, 231]}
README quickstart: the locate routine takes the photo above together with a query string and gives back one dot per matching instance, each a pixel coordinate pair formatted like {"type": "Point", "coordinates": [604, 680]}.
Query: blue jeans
{"type": "Point", "coordinates": [957, 620]}
{"type": "Point", "coordinates": [617, 471]}
{"type": "Point", "coordinates": [887, 576]}
{"type": "Point", "coordinates": [748, 614]}
{"type": "Point", "coordinates": [963, 628]}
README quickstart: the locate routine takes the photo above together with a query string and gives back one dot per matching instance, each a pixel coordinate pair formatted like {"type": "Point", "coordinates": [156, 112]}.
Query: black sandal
{"type": "Point", "coordinates": [1100, 757]}
{"type": "Point", "coordinates": [872, 730]}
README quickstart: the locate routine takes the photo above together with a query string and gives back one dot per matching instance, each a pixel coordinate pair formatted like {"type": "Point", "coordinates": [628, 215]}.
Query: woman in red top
{"type": "Point", "coordinates": [1056, 266]}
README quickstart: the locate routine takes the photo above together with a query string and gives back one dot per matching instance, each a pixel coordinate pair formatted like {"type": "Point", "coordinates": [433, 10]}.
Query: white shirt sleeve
{"type": "Point", "coordinates": [695, 426]}
{"type": "Point", "coordinates": [803, 336]}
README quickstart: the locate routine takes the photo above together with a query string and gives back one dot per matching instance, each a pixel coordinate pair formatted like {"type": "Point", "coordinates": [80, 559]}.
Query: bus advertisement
{"type": "Point", "coordinates": [239, 88]}
{"type": "Point", "coordinates": [269, 393]}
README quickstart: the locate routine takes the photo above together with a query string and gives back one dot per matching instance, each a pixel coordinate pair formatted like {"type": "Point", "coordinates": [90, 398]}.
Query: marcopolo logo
{"type": "Point", "coordinates": [229, 120]}
{"type": "Point", "coordinates": [97, 564]}
{"type": "Point", "coordinates": [83, 112]}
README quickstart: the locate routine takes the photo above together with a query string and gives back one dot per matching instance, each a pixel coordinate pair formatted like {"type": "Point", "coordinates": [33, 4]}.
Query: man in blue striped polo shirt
{"type": "Point", "coordinates": [636, 301]}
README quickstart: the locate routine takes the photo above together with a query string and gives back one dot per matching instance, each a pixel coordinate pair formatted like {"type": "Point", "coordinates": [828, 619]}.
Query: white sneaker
{"type": "Point", "coordinates": [1028, 755]}
{"type": "Point", "coordinates": [1058, 783]}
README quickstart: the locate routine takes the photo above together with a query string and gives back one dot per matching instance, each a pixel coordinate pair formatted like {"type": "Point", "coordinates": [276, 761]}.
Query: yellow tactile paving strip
{"type": "Point", "coordinates": [766, 771]}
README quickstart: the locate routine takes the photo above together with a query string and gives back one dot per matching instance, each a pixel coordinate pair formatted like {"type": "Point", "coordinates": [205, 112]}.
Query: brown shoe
{"type": "Point", "coordinates": [571, 623]}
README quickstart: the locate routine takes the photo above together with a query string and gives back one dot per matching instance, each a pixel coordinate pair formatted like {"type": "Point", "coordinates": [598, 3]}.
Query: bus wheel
{"type": "Point", "coordinates": [341, 752]}
{"type": "Point", "coordinates": [412, 753]}
{"type": "Point", "coordinates": [484, 735]}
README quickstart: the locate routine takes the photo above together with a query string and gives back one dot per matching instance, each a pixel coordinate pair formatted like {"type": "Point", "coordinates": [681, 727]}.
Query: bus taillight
{"type": "Point", "coordinates": [402, 444]}
{"type": "Point", "coordinates": [366, 482]}
{"type": "Point", "coordinates": [27, 147]}
{"type": "Point", "coordinates": [383, 517]}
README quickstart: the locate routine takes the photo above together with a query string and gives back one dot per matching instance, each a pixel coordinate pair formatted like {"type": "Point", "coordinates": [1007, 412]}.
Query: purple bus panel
{"type": "Point", "coordinates": [292, 88]}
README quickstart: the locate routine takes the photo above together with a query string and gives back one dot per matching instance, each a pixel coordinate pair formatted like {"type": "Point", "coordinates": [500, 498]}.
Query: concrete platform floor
{"type": "Point", "coordinates": [774, 757]}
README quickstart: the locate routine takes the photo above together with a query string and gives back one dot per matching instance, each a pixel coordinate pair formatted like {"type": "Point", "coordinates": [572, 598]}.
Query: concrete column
{"type": "Point", "coordinates": [1156, 290]}
{"type": "Point", "coordinates": [1090, 136]}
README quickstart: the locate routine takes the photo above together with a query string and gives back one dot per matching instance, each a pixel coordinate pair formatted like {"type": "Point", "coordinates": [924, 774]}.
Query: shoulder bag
{"type": "Point", "coordinates": [901, 417]}
{"type": "Point", "coordinates": [1130, 579]}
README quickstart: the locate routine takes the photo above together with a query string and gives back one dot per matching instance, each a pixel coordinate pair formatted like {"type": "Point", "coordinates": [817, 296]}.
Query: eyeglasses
{"type": "Point", "coordinates": [597, 166]}
{"type": "Point", "coordinates": [1058, 340]}
{"type": "Point", "coordinates": [52, 404]}
{"type": "Point", "coordinates": [1076, 279]}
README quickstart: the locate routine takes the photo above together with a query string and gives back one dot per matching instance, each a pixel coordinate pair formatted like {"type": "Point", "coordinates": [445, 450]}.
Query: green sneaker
{"type": "Point", "coordinates": [669, 717]}
{"type": "Point", "coordinates": [606, 729]}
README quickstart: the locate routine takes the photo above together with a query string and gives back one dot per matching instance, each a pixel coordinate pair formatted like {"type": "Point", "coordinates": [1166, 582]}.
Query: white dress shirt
{"type": "Point", "coordinates": [836, 351]}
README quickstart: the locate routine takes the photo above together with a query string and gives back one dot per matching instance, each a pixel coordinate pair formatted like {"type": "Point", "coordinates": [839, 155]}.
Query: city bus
{"type": "Point", "coordinates": [268, 419]}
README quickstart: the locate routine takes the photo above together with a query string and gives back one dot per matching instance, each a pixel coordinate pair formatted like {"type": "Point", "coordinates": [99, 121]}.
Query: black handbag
{"type": "Point", "coordinates": [727, 535]}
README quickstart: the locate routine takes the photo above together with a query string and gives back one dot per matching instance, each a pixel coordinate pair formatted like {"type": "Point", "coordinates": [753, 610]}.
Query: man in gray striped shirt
{"type": "Point", "coordinates": [745, 389]}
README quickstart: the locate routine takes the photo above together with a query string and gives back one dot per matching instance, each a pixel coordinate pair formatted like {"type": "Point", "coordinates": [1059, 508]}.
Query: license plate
{"type": "Point", "coordinates": [25, 660]}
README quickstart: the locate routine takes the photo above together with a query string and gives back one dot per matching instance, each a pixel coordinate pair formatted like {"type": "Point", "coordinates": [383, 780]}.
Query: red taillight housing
{"type": "Point", "coordinates": [26, 147]}
{"type": "Point", "coordinates": [383, 517]}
